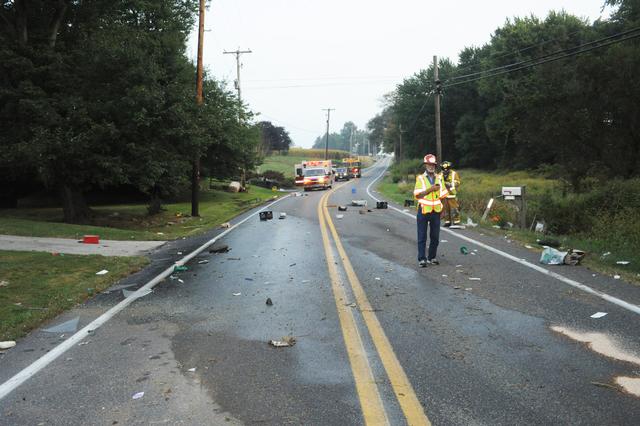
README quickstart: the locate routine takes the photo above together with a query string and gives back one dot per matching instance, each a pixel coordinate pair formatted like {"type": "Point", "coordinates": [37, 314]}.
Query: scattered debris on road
{"type": "Point", "coordinates": [269, 302]}
{"type": "Point", "coordinates": [551, 256]}
{"type": "Point", "coordinates": [66, 327]}
{"type": "Point", "coordinates": [248, 279]}
{"type": "Point", "coordinates": [339, 216]}
{"type": "Point", "coordinates": [351, 305]}
{"type": "Point", "coordinates": [178, 268]}
{"type": "Point", "coordinates": [475, 279]}
{"type": "Point", "coordinates": [7, 344]}
{"type": "Point", "coordinates": [192, 370]}
{"type": "Point", "coordinates": [616, 277]}
{"type": "Point", "coordinates": [90, 239]}
{"type": "Point", "coordinates": [225, 225]}
{"type": "Point", "coordinates": [377, 278]}
{"type": "Point", "coordinates": [286, 341]}
{"type": "Point", "coordinates": [619, 262]}
{"type": "Point", "coordinates": [222, 248]}
{"type": "Point", "coordinates": [598, 315]}
{"type": "Point", "coordinates": [359, 203]}
{"type": "Point", "coordinates": [464, 250]}
{"type": "Point", "coordinates": [104, 271]}
{"type": "Point", "coordinates": [237, 294]}
{"type": "Point", "coordinates": [342, 208]}
{"type": "Point", "coordinates": [266, 215]}
{"type": "Point", "coordinates": [203, 261]}
{"type": "Point", "coordinates": [283, 215]}
{"type": "Point", "coordinates": [381, 205]}
{"type": "Point", "coordinates": [137, 395]}
{"type": "Point", "coordinates": [470, 223]}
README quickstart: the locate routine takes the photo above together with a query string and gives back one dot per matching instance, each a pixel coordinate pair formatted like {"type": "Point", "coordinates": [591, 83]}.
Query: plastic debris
{"type": "Point", "coordinates": [283, 215]}
{"type": "Point", "coordinates": [342, 208]}
{"type": "Point", "coordinates": [353, 190]}
{"type": "Point", "coordinates": [237, 294]}
{"type": "Point", "coordinates": [306, 281]}
{"type": "Point", "coordinates": [339, 216]}
{"type": "Point", "coordinates": [4, 283]}
{"type": "Point", "coordinates": [539, 227]}
{"type": "Point", "coordinates": [179, 268]}
{"type": "Point", "coordinates": [269, 302]}
{"type": "Point", "coordinates": [8, 344]}
{"type": "Point", "coordinates": [359, 203]}
{"type": "Point", "coordinates": [444, 241]}
{"type": "Point", "coordinates": [457, 227]}
{"type": "Point", "coordinates": [528, 246]}
{"type": "Point", "coordinates": [137, 395]}
{"type": "Point", "coordinates": [464, 250]}
{"type": "Point", "coordinates": [605, 254]}
{"type": "Point", "coordinates": [351, 305]}
{"type": "Point", "coordinates": [284, 342]}
{"type": "Point", "coordinates": [458, 266]}
{"type": "Point", "coordinates": [203, 261]}
{"type": "Point", "coordinates": [248, 279]}
{"type": "Point", "coordinates": [445, 275]}
{"type": "Point", "coordinates": [266, 215]}
{"type": "Point", "coordinates": [104, 271]}
{"type": "Point", "coordinates": [598, 315]}
{"type": "Point", "coordinates": [619, 262]}
{"type": "Point", "coordinates": [381, 205]}
{"type": "Point", "coordinates": [470, 223]}
{"type": "Point", "coordinates": [551, 256]}
{"type": "Point", "coordinates": [192, 370]}
{"type": "Point", "coordinates": [616, 277]}
{"type": "Point", "coordinates": [474, 279]}
{"type": "Point", "coordinates": [179, 253]}
{"type": "Point", "coordinates": [66, 327]}
{"type": "Point", "coordinates": [377, 278]}
{"type": "Point", "coordinates": [225, 225]}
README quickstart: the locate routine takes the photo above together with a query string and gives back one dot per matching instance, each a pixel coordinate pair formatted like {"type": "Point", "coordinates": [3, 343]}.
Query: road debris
{"type": "Point", "coordinates": [192, 370]}
{"type": "Point", "coordinates": [619, 262]}
{"type": "Point", "coordinates": [616, 277]}
{"type": "Point", "coordinates": [104, 271]}
{"type": "Point", "coordinates": [359, 203]}
{"type": "Point", "coordinates": [284, 342]}
{"type": "Point", "coordinates": [4, 283]}
{"type": "Point", "coordinates": [528, 246]}
{"type": "Point", "coordinates": [137, 395]}
{"type": "Point", "coordinates": [444, 241]}
{"type": "Point", "coordinates": [605, 254]}
{"type": "Point", "coordinates": [551, 256]}
{"type": "Point", "coordinates": [468, 289]}
{"type": "Point", "coordinates": [8, 344]}
{"type": "Point", "coordinates": [598, 315]}
{"type": "Point", "coordinates": [237, 294]}
{"type": "Point", "coordinates": [266, 215]}
{"type": "Point", "coordinates": [66, 327]}
{"type": "Point", "coordinates": [233, 258]}
{"type": "Point", "coordinates": [269, 302]}
{"type": "Point", "coordinates": [225, 225]}
{"type": "Point", "coordinates": [409, 203]}
{"type": "Point", "coordinates": [475, 279]}
{"type": "Point", "coordinates": [457, 227]}
{"type": "Point", "coordinates": [470, 223]}
{"type": "Point", "coordinates": [293, 264]}
{"type": "Point", "coordinates": [282, 215]}
{"type": "Point", "coordinates": [306, 281]}
{"type": "Point", "coordinates": [222, 248]}
{"type": "Point", "coordinates": [351, 305]}
{"type": "Point", "coordinates": [203, 261]}
{"type": "Point", "coordinates": [381, 205]}
{"type": "Point", "coordinates": [464, 250]}
{"type": "Point", "coordinates": [339, 216]}
{"type": "Point", "coordinates": [342, 208]}
{"type": "Point", "coordinates": [179, 268]}
{"type": "Point", "coordinates": [377, 278]}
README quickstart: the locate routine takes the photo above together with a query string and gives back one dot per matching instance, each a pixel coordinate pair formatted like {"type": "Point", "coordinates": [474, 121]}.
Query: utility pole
{"type": "Point", "coordinates": [326, 145]}
{"type": "Point", "coordinates": [195, 171]}
{"type": "Point", "coordinates": [237, 52]}
{"type": "Point", "coordinates": [437, 100]}
{"type": "Point", "coordinates": [400, 150]}
{"type": "Point", "coordinates": [351, 143]}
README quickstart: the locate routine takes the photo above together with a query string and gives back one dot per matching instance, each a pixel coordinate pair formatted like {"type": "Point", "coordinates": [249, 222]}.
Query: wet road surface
{"type": "Point", "coordinates": [378, 340]}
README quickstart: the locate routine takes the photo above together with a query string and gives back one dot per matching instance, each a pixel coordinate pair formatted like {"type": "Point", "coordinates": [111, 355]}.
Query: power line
{"type": "Point", "coordinates": [548, 55]}
{"type": "Point", "coordinates": [544, 61]}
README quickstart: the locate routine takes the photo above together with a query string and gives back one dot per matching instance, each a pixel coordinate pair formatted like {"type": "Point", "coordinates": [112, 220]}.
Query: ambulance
{"type": "Point", "coordinates": [314, 174]}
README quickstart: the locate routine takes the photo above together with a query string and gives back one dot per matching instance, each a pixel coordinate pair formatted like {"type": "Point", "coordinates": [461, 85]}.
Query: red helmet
{"type": "Point", "coordinates": [430, 159]}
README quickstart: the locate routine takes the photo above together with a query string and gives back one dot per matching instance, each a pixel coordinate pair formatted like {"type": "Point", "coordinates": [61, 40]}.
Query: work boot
{"type": "Point", "coordinates": [422, 263]}
{"type": "Point", "coordinates": [433, 262]}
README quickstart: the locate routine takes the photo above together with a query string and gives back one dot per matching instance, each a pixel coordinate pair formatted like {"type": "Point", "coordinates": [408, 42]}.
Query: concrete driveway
{"type": "Point", "coordinates": [71, 246]}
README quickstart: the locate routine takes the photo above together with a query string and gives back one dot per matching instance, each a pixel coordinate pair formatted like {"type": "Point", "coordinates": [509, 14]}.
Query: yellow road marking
{"type": "Point", "coordinates": [411, 407]}
{"type": "Point", "coordinates": [371, 404]}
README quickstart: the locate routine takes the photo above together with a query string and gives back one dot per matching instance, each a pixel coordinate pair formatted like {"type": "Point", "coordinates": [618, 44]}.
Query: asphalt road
{"type": "Point", "coordinates": [378, 340]}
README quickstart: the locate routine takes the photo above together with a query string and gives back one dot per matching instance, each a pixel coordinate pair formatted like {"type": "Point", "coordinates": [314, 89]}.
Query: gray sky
{"type": "Point", "coordinates": [310, 55]}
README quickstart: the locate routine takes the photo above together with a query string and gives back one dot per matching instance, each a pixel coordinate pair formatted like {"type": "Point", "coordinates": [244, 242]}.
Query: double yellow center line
{"type": "Point", "coordinates": [372, 407]}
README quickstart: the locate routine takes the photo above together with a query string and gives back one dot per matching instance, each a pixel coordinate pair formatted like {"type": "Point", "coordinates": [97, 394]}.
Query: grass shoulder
{"type": "Point", "coordinates": [37, 287]}
{"type": "Point", "coordinates": [131, 221]}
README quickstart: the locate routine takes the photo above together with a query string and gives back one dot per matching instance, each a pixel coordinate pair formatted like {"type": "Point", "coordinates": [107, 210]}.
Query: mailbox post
{"type": "Point", "coordinates": [517, 194]}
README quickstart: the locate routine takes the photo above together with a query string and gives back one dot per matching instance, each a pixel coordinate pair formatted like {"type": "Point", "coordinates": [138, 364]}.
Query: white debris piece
{"type": "Point", "coordinates": [7, 344]}
{"type": "Point", "coordinates": [598, 315]}
{"type": "Point", "coordinates": [237, 294]}
{"type": "Point", "coordinates": [104, 271]}
{"type": "Point", "coordinates": [339, 216]}
{"type": "Point", "coordinates": [138, 395]}
{"type": "Point", "coordinates": [623, 262]}
{"type": "Point", "coordinates": [474, 279]}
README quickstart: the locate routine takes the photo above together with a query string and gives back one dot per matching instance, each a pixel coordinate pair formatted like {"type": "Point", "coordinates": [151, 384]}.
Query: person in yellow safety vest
{"type": "Point", "coordinates": [451, 207]}
{"type": "Point", "coordinates": [429, 191]}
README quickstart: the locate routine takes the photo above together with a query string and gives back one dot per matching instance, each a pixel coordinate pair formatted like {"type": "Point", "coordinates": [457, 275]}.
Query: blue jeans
{"type": "Point", "coordinates": [431, 220]}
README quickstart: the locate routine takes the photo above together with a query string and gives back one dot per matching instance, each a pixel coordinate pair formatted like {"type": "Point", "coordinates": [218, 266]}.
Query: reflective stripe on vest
{"type": "Point", "coordinates": [432, 202]}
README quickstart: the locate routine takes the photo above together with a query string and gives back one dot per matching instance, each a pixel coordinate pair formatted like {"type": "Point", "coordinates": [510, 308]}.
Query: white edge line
{"type": "Point", "coordinates": [10, 385]}
{"type": "Point", "coordinates": [623, 304]}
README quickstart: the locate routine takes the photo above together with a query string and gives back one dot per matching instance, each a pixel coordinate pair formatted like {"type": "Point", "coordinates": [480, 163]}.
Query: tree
{"type": "Point", "coordinates": [273, 138]}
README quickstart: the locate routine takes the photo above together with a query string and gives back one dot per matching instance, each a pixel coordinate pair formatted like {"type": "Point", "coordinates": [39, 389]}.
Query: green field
{"type": "Point", "coordinates": [285, 163]}
{"type": "Point", "coordinates": [617, 234]}
{"type": "Point", "coordinates": [35, 287]}
{"type": "Point", "coordinates": [131, 221]}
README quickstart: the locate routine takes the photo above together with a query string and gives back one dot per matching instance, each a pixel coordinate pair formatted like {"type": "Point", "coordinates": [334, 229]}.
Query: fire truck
{"type": "Point", "coordinates": [314, 174]}
{"type": "Point", "coordinates": [354, 166]}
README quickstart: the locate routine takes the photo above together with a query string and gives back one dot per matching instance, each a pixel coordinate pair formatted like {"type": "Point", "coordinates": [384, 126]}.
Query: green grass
{"type": "Point", "coordinates": [41, 286]}
{"type": "Point", "coordinates": [131, 222]}
{"type": "Point", "coordinates": [478, 187]}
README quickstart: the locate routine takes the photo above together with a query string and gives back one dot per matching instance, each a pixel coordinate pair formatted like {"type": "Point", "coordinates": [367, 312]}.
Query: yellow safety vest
{"type": "Point", "coordinates": [454, 181]}
{"type": "Point", "coordinates": [433, 200]}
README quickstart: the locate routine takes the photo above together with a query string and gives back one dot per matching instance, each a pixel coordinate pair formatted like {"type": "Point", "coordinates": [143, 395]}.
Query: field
{"type": "Point", "coordinates": [285, 163]}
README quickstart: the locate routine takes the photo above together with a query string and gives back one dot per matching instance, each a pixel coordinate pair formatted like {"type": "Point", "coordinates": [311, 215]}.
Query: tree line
{"type": "Point", "coordinates": [349, 138]}
{"type": "Point", "coordinates": [557, 92]}
{"type": "Point", "coordinates": [100, 95]}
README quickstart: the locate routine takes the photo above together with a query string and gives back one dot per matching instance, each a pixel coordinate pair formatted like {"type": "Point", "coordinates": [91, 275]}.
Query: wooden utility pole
{"type": "Point", "coordinates": [437, 100]}
{"type": "Point", "coordinates": [237, 52]}
{"type": "Point", "coordinates": [195, 175]}
{"type": "Point", "coordinates": [400, 153]}
{"type": "Point", "coordinates": [326, 145]}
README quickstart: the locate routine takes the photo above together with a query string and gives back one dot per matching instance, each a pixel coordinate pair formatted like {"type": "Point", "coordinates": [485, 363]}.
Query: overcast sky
{"type": "Point", "coordinates": [309, 55]}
